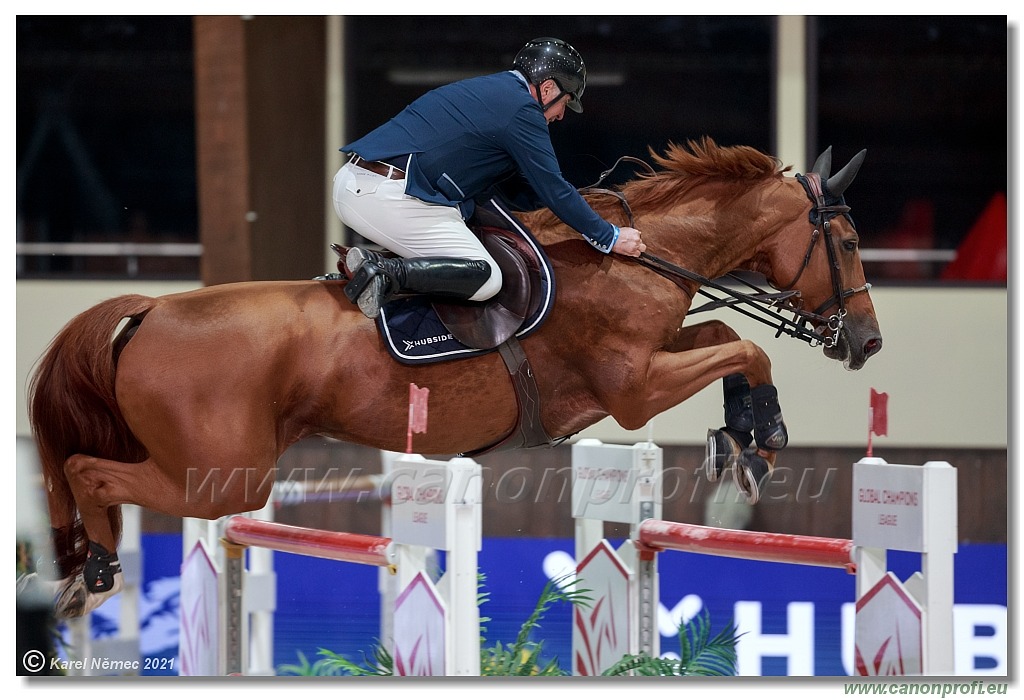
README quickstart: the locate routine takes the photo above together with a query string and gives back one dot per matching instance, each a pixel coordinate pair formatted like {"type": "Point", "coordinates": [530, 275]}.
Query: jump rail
{"type": "Point", "coordinates": [339, 546]}
{"type": "Point", "coordinates": [910, 508]}
{"type": "Point", "coordinates": [744, 544]}
{"type": "Point", "coordinates": [429, 505]}
{"type": "Point", "coordinates": [260, 578]}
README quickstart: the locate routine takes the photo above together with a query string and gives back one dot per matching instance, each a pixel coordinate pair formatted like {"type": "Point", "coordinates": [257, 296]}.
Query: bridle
{"type": "Point", "coordinates": [766, 306]}
{"type": "Point", "coordinates": [821, 217]}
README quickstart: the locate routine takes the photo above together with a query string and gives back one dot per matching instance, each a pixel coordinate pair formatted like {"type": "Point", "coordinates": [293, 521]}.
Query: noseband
{"type": "Point", "coordinates": [764, 303]}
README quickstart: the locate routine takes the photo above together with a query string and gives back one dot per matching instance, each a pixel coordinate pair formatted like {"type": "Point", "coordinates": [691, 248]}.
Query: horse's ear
{"type": "Point", "coordinates": [838, 183]}
{"type": "Point", "coordinates": [823, 166]}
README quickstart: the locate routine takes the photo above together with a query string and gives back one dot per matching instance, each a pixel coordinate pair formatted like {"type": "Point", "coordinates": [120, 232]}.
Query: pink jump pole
{"type": "Point", "coordinates": [339, 546]}
{"type": "Point", "coordinates": [744, 544]}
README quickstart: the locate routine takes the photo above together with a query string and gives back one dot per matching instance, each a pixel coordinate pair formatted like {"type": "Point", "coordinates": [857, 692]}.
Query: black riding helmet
{"type": "Point", "coordinates": [552, 58]}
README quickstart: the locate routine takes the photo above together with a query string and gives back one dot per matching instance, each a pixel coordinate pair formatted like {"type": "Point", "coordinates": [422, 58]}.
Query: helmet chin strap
{"type": "Point", "coordinates": [544, 106]}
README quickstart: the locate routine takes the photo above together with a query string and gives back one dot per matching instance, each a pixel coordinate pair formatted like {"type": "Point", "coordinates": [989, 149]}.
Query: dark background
{"type": "Point", "coordinates": [106, 128]}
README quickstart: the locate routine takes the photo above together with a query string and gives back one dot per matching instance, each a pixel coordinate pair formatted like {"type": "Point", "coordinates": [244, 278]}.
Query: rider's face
{"type": "Point", "coordinates": [556, 111]}
{"type": "Point", "coordinates": [548, 91]}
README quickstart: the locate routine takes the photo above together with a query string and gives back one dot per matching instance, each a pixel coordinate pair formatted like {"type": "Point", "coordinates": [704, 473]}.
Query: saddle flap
{"type": "Point", "coordinates": [486, 325]}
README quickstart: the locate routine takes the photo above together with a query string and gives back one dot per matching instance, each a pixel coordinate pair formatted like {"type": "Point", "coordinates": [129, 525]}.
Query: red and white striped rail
{"type": "Point", "coordinates": [745, 544]}
{"type": "Point", "coordinates": [338, 546]}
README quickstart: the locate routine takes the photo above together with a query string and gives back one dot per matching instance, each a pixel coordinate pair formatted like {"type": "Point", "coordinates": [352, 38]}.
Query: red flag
{"type": "Point", "coordinates": [417, 412]}
{"type": "Point", "coordinates": [879, 412]}
{"type": "Point", "coordinates": [418, 408]}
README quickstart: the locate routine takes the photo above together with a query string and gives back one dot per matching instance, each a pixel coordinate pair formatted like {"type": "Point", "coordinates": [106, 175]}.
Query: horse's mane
{"type": "Point", "coordinates": [684, 167]}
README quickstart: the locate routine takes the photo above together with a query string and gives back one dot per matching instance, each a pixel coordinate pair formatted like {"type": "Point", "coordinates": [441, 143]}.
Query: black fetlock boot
{"type": "Point", "coordinates": [725, 444]}
{"type": "Point", "coordinates": [100, 568]}
{"type": "Point", "coordinates": [376, 281]}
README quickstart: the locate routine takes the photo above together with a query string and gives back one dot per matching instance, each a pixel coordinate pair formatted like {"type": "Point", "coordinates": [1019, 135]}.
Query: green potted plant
{"type": "Point", "coordinates": [700, 653]}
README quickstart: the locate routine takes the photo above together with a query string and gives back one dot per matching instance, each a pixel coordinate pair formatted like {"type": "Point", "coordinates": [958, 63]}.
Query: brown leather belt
{"type": "Point", "coordinates": [376, 166]}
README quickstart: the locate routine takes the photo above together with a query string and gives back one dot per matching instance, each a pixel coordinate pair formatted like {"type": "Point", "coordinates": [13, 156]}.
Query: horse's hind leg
{"type": "Point", "coordinates": [100, 486]}
{"type": "Point", "coordinates": [94, 483]}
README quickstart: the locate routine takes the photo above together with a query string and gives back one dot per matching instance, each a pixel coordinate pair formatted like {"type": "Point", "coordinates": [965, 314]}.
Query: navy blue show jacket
{"type": "Point", "coordinates": [469, 137]}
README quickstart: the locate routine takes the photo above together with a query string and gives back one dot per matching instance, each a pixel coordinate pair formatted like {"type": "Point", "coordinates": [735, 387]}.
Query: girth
{"type": "Point", "coordinates": [528, 431]}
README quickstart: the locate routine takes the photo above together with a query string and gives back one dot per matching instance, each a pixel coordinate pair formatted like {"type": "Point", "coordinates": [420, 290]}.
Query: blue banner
{"type": "Point", "coordinates": [795, 620]}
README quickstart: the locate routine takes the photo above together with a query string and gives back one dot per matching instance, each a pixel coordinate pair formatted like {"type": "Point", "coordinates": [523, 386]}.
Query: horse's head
{"type": "Point", "coordinates": [818, 255]}
{"type": "Point", "coordinates": [718, 209]}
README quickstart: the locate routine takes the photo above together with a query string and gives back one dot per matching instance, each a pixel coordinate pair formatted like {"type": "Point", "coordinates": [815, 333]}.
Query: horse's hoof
{"type": "Point", "coordinates": [750, 473]}
{"type": "Point", "coordinates": [720, 453]}
{"type": "Point", "coordinates": [723, 450]}
{"type": "Point", "coordinates": [71, 598]}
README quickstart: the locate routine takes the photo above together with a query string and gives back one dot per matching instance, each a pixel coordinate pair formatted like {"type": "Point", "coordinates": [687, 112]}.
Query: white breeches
{"type": "Point", "coordinates": [379, 210]}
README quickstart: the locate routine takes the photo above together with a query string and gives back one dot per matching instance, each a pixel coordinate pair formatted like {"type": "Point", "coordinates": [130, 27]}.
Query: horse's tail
{"type": "Point", "coordinates": [72, 410]}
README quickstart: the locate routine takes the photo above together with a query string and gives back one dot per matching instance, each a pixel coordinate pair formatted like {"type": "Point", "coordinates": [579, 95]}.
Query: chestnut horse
{"type": "Point", "coordinates": [205, 390]}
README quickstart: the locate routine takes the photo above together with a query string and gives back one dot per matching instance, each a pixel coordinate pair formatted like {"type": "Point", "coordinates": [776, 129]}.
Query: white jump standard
{"type": "Point", "coordinates": [910, 508]}
{"type": "Point", "coordinates": [431, 630]}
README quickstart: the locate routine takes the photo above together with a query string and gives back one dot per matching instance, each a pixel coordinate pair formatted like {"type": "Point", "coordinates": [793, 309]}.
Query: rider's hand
{"type": "Point", "coordinates": [629, 242]}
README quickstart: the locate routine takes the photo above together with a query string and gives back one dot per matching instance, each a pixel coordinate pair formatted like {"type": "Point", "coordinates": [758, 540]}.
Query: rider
{"type": "Point", "coordinates": [410, 184]}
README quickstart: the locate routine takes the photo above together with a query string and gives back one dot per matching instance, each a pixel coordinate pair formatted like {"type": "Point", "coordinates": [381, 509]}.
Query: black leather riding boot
{"type": "Point", "coordinates": [446, 277]}
{"type": "Point", "coordinates": [454, 278]}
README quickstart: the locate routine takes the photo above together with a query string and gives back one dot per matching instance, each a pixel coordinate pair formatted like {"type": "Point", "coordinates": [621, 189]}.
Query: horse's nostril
{"type": "Point", "coordinates": [872, 346]}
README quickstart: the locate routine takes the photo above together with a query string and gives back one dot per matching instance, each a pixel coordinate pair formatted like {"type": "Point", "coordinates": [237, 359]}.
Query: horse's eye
{"type": "Point", "coordinates": [850, 245]}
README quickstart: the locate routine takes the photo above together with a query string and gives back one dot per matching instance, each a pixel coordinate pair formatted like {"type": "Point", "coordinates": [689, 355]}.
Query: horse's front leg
{"type": "Point", "coordinates": [752, 411]}
{"type": "Point", "coordinates": [751, 415]}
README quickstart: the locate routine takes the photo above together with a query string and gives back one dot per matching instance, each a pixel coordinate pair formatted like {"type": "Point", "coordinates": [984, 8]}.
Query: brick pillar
{"type": "Point", "coordinates": [260, 91]}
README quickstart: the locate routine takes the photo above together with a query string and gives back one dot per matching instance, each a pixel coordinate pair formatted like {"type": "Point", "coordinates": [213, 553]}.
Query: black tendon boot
{"type": "Point", "coordinates": [100, 568]}
{"type": "Point", "coordinates": [769, 429]}
{"type": "Point", "coordinates": [725, 444]}
{"type": "Point", "coordinates": [375, 281]}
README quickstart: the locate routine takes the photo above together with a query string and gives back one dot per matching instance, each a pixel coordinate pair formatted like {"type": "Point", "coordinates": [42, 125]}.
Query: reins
{"type": "Point", "coordinates": [763, 302]}
{"type": "Point", "coordinates": [597, 189]}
